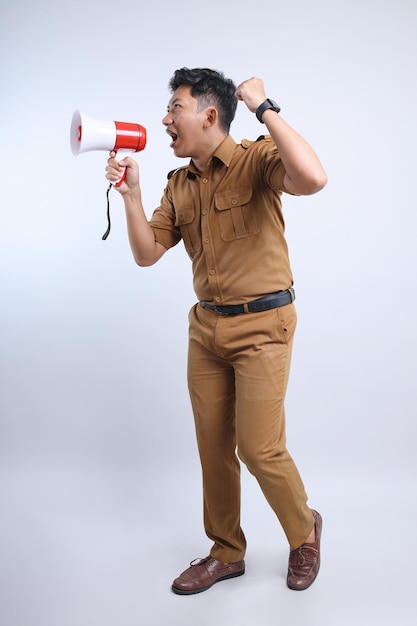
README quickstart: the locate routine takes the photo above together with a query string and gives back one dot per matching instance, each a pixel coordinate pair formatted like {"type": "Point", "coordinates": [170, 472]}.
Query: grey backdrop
{"type": "Point", "coordinates": [99, 477]}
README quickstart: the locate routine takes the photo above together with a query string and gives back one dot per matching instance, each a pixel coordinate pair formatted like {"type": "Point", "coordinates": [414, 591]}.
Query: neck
{"type": "Point", "coordinates": [202, 159]}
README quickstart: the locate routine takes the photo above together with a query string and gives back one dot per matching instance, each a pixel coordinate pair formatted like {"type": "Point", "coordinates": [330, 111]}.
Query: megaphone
{"type": "Point", "coordinates": [89, 134]}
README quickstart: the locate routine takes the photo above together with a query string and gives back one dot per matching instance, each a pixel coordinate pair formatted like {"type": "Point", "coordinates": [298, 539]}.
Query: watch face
{"type": "Point", "coordinates": [274, 105]}
{"type": "Point", "coordinates": [267, 104]}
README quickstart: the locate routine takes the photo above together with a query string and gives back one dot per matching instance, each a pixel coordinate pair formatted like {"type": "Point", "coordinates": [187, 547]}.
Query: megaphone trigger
{"type": "Point", "coordinates": [120, 155]}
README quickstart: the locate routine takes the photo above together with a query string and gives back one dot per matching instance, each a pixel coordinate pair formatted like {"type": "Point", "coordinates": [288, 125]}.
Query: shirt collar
{"type": "Point", "coordinates": [223, 152]}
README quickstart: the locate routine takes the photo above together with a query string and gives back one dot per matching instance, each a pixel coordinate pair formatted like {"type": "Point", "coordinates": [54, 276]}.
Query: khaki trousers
{"type": "Point", "coordinates": [238, 369]}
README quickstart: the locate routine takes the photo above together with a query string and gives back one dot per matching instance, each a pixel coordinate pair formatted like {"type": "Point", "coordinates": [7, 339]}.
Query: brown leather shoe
{"type": "Point", "coordinates": [304, 562]}
{"type": "Point", "coordinates": [203, 573]}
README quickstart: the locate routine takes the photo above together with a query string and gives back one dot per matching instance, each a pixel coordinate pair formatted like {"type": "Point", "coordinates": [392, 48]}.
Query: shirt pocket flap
{"type": "Point", "coordinates": [184, 215]}
{"type": "Point", "coordinates": [233, 197]}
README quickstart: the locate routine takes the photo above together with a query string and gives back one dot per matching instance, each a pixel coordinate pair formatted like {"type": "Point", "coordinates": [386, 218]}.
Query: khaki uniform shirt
{"type": "Point", "coordinates": [230, 220]}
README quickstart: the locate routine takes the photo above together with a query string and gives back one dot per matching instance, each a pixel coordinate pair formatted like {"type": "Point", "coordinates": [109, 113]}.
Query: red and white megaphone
{"type": "Point", "coordinates": [89, 134]}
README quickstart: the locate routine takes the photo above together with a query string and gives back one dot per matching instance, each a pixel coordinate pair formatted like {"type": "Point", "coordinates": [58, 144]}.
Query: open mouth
{"type": "Point", "coordinates": [173, 136]}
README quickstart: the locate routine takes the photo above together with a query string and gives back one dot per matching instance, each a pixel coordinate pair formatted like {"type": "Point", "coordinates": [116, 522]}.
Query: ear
{"type": "Point", "coordinates": [212, 117]}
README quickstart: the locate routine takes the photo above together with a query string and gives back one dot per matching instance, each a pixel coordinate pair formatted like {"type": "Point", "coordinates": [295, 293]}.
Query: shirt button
{"type": "Point", "coordinates": [206, 240]}
{"type": "Point", "coordinates": [234, 201]}
{"type": "Point", "coordinates": [218, 299]}
{"type": "Point", "coordinates": [212, 272]}
{"type": "Point", "coordinates": [204, 180]}
{"type": "Point", "coordinates": [204, 211]}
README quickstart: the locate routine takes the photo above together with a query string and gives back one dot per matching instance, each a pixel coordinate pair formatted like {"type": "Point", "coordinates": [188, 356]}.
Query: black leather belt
{"type": "Point", "coordinates": [271, 301]}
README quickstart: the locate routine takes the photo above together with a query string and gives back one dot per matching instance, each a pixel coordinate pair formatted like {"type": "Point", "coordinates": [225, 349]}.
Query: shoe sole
{"type": "Point", "coordinates": [182, 592]}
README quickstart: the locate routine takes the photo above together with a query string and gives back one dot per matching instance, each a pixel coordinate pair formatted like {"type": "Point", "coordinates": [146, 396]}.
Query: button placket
{"type": "Point", "coordinates": [207, 238]}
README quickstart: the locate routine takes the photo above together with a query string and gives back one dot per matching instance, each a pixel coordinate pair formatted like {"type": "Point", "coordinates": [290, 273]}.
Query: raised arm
{"type": "Point", "coordinates": [304, 172]}
{"type": "Point", "coordinates": [146, 251]}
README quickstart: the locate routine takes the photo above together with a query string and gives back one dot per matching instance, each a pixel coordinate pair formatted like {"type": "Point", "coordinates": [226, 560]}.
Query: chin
{"type": "Point", "coordinates": [179, 154]}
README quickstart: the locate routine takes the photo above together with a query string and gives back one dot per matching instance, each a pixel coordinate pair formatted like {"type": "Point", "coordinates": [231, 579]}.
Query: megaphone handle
{"type": "Point", "coordinates": [120, 155]}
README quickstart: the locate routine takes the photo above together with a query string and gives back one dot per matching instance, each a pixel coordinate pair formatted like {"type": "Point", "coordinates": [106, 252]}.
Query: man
{"type": "Point", "coordinates": [226, 207]}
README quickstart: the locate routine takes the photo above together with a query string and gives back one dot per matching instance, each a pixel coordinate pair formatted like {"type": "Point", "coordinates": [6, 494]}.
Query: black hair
{"type": "Point", "coordinates": [209, 87]}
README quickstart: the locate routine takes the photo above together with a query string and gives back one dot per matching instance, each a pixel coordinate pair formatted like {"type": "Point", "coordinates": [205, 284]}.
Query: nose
{"type": "Point", "coordinates": [166, 120]}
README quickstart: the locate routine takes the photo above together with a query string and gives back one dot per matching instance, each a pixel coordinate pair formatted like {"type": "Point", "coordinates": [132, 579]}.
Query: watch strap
{"type": "Point", "coordinates": [267, 104]}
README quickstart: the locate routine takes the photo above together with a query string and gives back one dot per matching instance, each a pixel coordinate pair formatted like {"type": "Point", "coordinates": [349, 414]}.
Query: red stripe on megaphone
{"type": "Point", "coordinates": [130, 136]}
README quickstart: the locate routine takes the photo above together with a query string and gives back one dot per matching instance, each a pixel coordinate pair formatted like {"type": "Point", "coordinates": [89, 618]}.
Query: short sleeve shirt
{"type": "Point", "coordinates": [230, 220]}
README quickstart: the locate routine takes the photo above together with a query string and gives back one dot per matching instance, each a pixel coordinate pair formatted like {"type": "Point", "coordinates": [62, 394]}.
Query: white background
{"type": "Point", "coordinates": [99, 477]}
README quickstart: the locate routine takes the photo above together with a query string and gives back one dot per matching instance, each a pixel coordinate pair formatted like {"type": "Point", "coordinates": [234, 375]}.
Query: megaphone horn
{"type": "Point", "coordinates": [89, 134]}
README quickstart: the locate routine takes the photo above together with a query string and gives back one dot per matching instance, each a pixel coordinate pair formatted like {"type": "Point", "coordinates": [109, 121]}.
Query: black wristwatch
{"type": "Point", "coordinates": [267, 104]}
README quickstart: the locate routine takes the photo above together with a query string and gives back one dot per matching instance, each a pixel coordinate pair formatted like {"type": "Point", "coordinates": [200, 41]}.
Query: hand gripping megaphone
{"type": "Point", "coordinates": [89, 134]}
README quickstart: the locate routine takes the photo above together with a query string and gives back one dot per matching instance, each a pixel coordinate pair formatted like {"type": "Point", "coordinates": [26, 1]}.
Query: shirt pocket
{"type": "Point", "coordinates": [185, 220]}
{"type": "Point", "coordinates": [236, 214]}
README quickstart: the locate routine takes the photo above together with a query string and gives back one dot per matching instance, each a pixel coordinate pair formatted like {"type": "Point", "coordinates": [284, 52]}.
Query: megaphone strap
{"type": "Point", "coordinates": [106, 234]}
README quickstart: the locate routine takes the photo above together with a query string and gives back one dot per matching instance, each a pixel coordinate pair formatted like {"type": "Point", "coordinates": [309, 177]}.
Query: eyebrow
{"type": "Point", "coordinates": [170, 104]}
